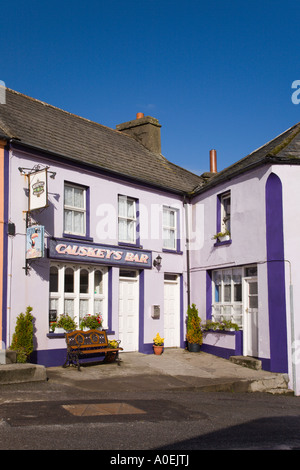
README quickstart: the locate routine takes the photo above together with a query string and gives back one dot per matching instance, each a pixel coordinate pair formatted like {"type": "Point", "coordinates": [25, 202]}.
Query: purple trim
{"type": "Point", "coordinates": [226, 242]}
{"type": "Point", "coordinates": [218, 213]}
{"type": "Point", "coordinates": [87, 212]}
{"type": "Point", "coordinates": [226, 352]}
{"type": "Point", "coordinates": [208, 295]}
{"type": "Point", "coordinates": [178, 231]}
{"type": "Point", "coordinates": [137, 208]}
{"type": "Point", "coordinates": [5, 242]}
{"type": "Point", "coordinates": [276, 275]}
{"type": "Point", "coordinates": [137, 227]}
{"type": "Point", "coordinates": [141, 311]}
{"type": "Point", "coordinates": [109, 294]}
{"type": "Point", "coordinates": [181, 313]}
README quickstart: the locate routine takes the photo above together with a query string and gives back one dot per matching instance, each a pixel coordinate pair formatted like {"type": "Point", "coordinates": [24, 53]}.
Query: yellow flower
{"type": "Point", "coordinates": [158, 341]}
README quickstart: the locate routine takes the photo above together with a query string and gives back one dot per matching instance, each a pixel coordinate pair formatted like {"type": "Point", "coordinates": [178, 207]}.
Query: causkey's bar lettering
{"type": "Point", "coordinates": [68, 250]}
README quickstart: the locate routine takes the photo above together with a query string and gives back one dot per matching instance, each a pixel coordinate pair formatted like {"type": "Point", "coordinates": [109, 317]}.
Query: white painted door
{"type": "Point", "coordinates": [251, 318]}
{"type": "Point", "coordinates": [171, 311]}
{"type": "Point", "coordinates": [128, 311]}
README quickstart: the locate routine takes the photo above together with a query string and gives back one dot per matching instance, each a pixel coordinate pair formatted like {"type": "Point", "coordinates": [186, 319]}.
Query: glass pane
{"type": "Point", "coordinates": [53, 279]}
{"type": "Point", "coordinates": [122, 206]}
{"type": "Point", "coordinates": [251, 271]}
{"type": "Point", "coordinates": [79, 198]}
{"type": "Point", "coordinates": [69, 280]}
{"type": "Point", "coordinates": [252, 288]}
{"type": "Point", "coordinates": [83, 308]}
{"type": "Point", "coordinates": [69, 307]}
{"type": "Point", "coordinates": [253, 301]}
{"type": "Point", "coordinates": [98, 306]}
{"type": "Point", "coordinates": [68, 216]}
{"type": "Point", "coordinates": [98, 284]}
{"type": "Point", "coordinates": [78, 222]}
{"type": "Point", "coordinates": [84, 281]}
{"type": "Point", "coordinates": [53, 304]}
{"type": "Point", "coordinates": [165, 217]}
{"type": "Point", "coordinates": [217, 293]}
{"type": "Point", "coordinates": [130, 231]}
{"type": "Point", "coordinates": [130, 208]}
{"type": "Point", "coordinates": [169, 239]}
{"type": "Point", "coordinates": [227, 293]}
{"type": "Point", "coordinates": [237, 292]}
{"type": "Point", "coordinates": [69, 196]}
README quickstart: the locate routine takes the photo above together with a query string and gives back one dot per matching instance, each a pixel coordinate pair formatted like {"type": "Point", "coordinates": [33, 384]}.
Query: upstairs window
{"type": "Point", "coordinates": [169, 228]}
{"type": "Point", "coordinates": [127, 219]}
{"type": "Point", "coordinates": [74, 210]}
{"type": "Point", "coordinates": [225, 200]}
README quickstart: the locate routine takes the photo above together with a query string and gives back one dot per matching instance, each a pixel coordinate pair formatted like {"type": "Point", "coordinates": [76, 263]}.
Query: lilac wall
{"type": "Point", "coordinates": [103, 190]}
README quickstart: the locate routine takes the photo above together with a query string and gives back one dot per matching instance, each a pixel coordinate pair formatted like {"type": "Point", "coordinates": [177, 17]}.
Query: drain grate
{"type": "Point", "coordinates": [104, 409]}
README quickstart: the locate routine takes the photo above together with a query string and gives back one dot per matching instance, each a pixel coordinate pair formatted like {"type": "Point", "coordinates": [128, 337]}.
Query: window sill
{"type": "Point", "coordinates": [130, 245]}
{"type": "Point", "coordinates": [225, 242]}
{"type": "Point", "coordinates": [62, 335]}
{"type": "Point", "coordinates": [78, 237]}
{"type": "Point", "coordinates": [55, 335]}
{"type": "Point", "coordinates": [175, 252]}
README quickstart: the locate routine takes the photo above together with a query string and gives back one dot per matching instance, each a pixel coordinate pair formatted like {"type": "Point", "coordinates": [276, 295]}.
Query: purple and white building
{"type": "Point", "coordinates": [126, 233]}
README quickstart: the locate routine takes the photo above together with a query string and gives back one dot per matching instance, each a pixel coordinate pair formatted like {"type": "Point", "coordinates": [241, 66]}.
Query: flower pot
{"type": "Point", "coordinates": [59, 330]}
{"type": "Point", "coordinates": [224, 238]}
{"type": "Point", "coordinates": [158, 350]}
{"type": "Point", "coordinates": [194, 347]}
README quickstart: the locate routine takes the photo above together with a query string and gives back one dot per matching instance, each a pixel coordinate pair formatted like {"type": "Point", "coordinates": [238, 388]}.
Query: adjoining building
{"type": "Point", "coordinates": [97, 220]}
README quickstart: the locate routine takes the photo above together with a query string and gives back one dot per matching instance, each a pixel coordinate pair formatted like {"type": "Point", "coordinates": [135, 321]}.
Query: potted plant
{"type": "Point", "coordinates": [158, 344]}
{"type": "Point", "coordinates": [91, 322]}
{"type": "Point", "coordinates": [222, 236]}
{"type": "Point", "coordinates": [64, 323]}
{"type": "Point", "coordinates": [194, 334]}
{"type": "Point", "coordinates": [230, 326]}
{"type": "Point", "coordinates": [113, 343]}
{"type": "Point", "coordinates": [22, 340]}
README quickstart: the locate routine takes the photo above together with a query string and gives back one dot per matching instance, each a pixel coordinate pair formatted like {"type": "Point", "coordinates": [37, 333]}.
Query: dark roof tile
{"type": "Point", "coordinates": [43, 126]}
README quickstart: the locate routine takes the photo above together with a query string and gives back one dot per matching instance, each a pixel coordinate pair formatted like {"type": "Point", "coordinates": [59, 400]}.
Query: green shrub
{"type": "Point", "coordinates": [193, 328]}
{"type": "Point", "coordinates": [22, 340]}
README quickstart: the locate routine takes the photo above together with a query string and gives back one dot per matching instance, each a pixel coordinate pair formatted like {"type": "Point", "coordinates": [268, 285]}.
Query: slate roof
{"type": "Point", "coordinates": [42, 126]}
{"type": "Point", "coordinates": [283, 149]}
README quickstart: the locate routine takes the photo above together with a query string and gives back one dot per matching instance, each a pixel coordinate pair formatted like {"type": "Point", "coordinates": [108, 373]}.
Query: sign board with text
{"type": "Point", "coordinates": [70, 250]}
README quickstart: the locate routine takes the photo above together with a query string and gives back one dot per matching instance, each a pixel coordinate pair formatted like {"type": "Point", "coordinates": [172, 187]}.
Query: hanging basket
{"type": "Point", "coordinates": [194, 347]}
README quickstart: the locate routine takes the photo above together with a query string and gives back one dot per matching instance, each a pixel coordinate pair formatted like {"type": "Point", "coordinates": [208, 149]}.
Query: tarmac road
{"type": "Point", "coordinates": [151, 410]}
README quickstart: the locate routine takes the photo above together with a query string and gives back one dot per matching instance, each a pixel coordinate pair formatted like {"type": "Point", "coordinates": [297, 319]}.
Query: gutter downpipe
{"type": "Point", "coordinates": [187, 243]}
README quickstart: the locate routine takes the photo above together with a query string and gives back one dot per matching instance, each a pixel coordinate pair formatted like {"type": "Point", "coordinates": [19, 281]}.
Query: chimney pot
{"type": "Point", "coordinates": [139, 115]}
{"type": "Point", "coordinates": [213, 161]}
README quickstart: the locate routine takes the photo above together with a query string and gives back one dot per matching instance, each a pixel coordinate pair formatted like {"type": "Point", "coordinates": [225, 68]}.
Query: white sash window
{"type": "Point", "coordinates": [78, 290]}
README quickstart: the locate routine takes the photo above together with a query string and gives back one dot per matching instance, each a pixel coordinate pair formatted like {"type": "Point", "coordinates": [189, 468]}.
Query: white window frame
{"type": "Point", "coordinates": [129, 220]}
{"type": "Point", "coordinates": [74, 209]}
{"type": "Point", "coordinates": [91, 296]}
{"type": "Point", "coordinates": [225, 213]}
{"type": "Point", "coordinates": [168, 242]}
{"type": "Point", "coordinates": [227, 310]}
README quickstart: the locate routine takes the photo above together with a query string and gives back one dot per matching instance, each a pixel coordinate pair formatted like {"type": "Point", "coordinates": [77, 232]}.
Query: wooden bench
{"type": "Point", "coordinates": [84, 343]}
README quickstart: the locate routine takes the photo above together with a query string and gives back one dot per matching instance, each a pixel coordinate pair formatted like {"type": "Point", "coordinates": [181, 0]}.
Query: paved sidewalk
{"type": "Point", "coordinates": [175, 369]}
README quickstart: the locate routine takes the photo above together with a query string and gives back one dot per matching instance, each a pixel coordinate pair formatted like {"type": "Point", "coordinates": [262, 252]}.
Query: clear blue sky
{"type": "Point", "coordinates": [217, 74]}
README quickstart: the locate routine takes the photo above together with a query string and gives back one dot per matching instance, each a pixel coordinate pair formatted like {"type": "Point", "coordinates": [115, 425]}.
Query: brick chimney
{"type": "Point", "coordinates": [145, 129]}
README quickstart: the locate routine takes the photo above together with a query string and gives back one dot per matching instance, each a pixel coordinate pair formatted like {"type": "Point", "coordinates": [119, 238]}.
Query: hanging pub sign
{"type": "Point", "coordinates": [70, 250]}
{"type": "Point", "coordinates": [38, 191]}
{"type": "Point", "coordinates": [35, 242]}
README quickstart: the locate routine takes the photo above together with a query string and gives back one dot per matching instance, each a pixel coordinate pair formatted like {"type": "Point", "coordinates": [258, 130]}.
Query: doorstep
{"type": "Point", "coordinates": [247, 361]}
